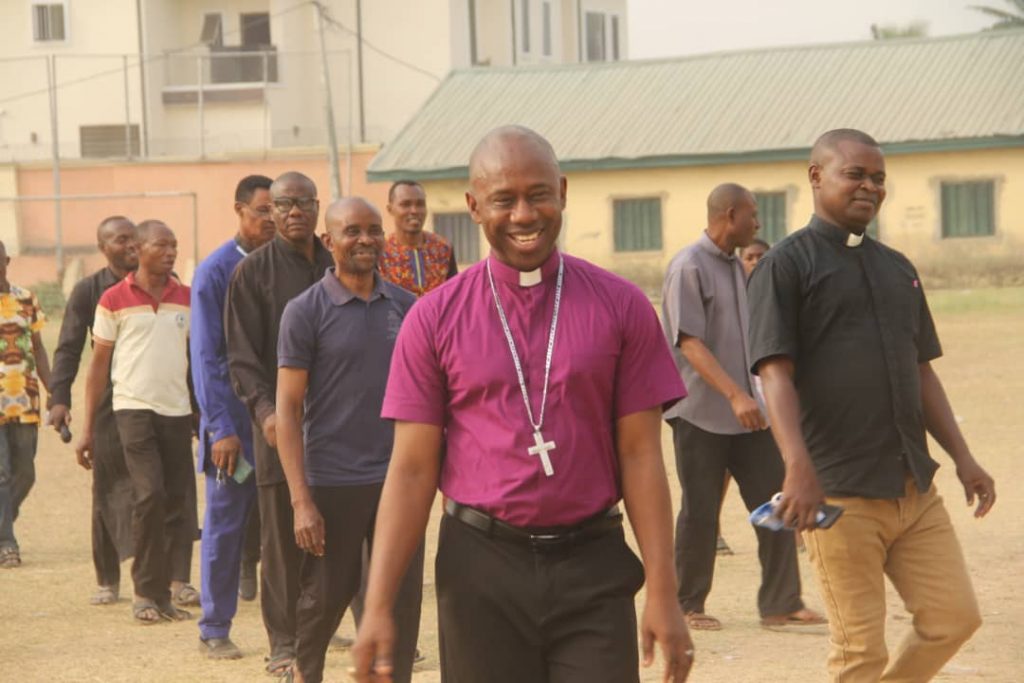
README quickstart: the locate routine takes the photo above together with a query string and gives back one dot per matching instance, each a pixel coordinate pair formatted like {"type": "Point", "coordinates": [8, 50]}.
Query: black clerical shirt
{"type": "Point", "coordinates": [855, 323]}
{"type": "Point", "coordinates": [262, 284]}
{"type": "Point", "coordinates": [74, 330]}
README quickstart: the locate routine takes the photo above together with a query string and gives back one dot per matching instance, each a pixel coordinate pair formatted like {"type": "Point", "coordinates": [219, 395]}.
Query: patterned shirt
{"type": "Point", "coordinates": [20, 317]}
{"type": "Point", "coordinates": [418, 270]}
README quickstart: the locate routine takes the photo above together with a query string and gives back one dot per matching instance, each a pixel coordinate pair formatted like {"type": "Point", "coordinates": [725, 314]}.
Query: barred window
{"type": "Point", "coordinates": [637, 224]}
{"type": "Point", "coordinates": [968, 209]}
{"type": "Point", "coordinates": [462, 233]}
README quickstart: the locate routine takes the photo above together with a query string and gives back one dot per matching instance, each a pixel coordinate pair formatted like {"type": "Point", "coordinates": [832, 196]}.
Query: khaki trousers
{"type": "Point", "coordinates": [910, 540]}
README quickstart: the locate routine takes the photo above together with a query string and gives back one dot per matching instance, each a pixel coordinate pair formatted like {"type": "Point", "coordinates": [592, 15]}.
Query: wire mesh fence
{"type": "Point", "coordinates": [208, 102]}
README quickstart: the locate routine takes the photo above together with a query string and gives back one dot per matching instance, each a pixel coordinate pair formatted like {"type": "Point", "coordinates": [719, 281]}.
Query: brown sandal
{"type": "Point", "coordinates": [698, 621]}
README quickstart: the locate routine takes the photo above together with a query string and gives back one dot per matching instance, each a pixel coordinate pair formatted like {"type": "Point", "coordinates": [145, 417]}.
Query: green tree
{"type": "Point", "coordinates": [1012, 18]}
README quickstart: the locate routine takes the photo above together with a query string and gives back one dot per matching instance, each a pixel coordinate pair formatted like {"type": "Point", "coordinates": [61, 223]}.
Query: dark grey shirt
{"type": "Point", "coordinates": [261, 286]}
{"type": "Point", "coordinates": [855, 322]}
{"type": "Point", "coordinates": [345, 343]}
{"type": "Point", "coordinates": [705, 296]}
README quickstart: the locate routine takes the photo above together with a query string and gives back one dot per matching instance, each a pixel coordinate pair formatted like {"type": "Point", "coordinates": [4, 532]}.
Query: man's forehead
{"type": "Point", "coordinates": [854, 153]}
{"type": "Point", "coordinates": [409, 192]}
{"type": "Point", "coordinates": [353, 214]}
{"type": "Point", "coordinates": [295, 187]}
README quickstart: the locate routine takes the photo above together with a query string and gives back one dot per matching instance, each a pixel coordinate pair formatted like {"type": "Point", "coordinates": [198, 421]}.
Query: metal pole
{"type": "Point", "coordinates": [266, 105]}
{"type": "Point", "coordinates": [348, 149]}
{"type": "Point", "coordinates": [332, 137]}
{"type": "Point", "coordinates": [142, 81]}
{"type": "Point", "coordinates": [359, 71]}
{"type": "Point", "coordinates": [195, 230]}
{"type": "Point", "coordinates": [199, 105]}
{"type": "Point", "coordinates": [58, 231]}
{"type": "Point", "coordinates": [127, 111]}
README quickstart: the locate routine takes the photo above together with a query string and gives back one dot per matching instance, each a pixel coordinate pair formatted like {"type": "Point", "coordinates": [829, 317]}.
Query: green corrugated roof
{"type": "Point", "coordinates": [919, 94]}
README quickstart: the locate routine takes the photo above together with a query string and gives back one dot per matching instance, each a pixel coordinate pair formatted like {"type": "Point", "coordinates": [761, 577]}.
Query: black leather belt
{"type": "Point", "coordinates": [536, 538]}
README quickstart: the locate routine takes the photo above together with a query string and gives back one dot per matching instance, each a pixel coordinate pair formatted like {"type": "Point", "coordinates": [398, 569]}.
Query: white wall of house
{"type": "Point", "coordinates": [423, 41]}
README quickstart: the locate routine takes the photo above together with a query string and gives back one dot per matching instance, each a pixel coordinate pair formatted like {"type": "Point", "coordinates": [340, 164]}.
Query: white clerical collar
{"type": "Point", "coordinates": [854, 240]}
{"type": "Point", "coordinates": [530, 278]}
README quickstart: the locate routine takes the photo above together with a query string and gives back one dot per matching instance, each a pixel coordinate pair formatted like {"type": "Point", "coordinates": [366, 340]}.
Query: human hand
{"type": "Point", "coordinates": [60, 414]}
{"type": "Point", "coordinates": [801, 497]}
{"type": "Point", "coordinates": [663, 622]}
{"type": "Point", "coordinates": [977, 481]}
{"type": "Point", "coordinates": [83, 450]}
{"type": "Point", "coordinates": [371, 654]}
{"type": "Point", "coordinates": [269, 428]}
{"type": "Point", "coordinates": [224, 453]}
{"type": "Point", "coordinates": [748, 412]}
{"type": "Point", "coordinates": [309, 527]}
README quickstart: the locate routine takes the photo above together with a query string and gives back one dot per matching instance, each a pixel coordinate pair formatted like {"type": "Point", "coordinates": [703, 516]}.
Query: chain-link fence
{"type": "Point", "coordinates": [209, 102]}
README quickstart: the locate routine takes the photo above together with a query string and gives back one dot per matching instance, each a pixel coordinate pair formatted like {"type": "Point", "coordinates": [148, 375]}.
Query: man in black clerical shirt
{"type": "Point", "coordinates": [843, 340]}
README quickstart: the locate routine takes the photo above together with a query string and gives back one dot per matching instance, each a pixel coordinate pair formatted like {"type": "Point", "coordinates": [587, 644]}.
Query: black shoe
{"type": "Point", "coordinates": [418, 657]}
{"type": "Point", "coordinates": [219, 648]}
{"type": "Point", "coordinates": [247, 582]}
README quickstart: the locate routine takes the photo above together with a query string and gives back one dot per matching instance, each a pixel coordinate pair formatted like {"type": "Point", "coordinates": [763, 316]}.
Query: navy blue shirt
{"type": "Point", "coordinates": [222, 414]}
{"type": "Point", "coordinates": [345, 343]}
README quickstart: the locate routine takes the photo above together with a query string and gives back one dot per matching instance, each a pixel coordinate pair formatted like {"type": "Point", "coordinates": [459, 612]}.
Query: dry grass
{"type": "Point", "coordinates": [50, 633]}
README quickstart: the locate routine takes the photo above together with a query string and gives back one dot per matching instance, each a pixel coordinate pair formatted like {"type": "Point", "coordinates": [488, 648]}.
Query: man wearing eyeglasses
{"type": "Point", "coordinates": [262, 284]}
{"type": "Point", "coordinates": [225, 432]}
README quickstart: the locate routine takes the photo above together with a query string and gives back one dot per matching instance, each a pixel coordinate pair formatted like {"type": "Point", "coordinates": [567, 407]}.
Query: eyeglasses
{"type": "Point", "coordinates": [285, 204]}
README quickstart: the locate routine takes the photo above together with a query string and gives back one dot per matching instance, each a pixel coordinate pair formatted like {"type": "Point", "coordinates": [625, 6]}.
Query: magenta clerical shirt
{"type": "Point", "coordinates": [452, 367]}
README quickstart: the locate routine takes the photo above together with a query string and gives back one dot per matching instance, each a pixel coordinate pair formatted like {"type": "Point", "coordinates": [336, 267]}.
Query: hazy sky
{"type": "Point", "coordinates": [664, 28]}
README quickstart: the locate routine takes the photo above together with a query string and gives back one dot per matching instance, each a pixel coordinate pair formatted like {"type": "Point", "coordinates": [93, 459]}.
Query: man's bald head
{"type": "Point", "coordinates": [732, 216]}
{"type": "Point", "coordinates": [827, 143]}
{"type": "Point", "coordinates": [492, 149]}
{"type": "Point", "coordinates": [150, 229]}
{"type": "Point", "coordinates": [340, 211]}
{"type": "Point", "coordinates": [517, 195]}
{"type": "Point", "coordinates": [724, 197]}
{"type": "Point", "coordinates": [291, 178]}
{"type": "Point", "coordinates": [109, 225]}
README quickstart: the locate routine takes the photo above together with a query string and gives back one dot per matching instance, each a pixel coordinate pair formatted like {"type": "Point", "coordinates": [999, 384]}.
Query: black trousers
{"type": "Point", "coordinates": [330, 582]}
{"type": "Point", "coordinates": [158, 455]}
{"type": "Point", "coordinates": [111, 499]}
{"type": "Point", "coordinates": [251, 545]}
{"type": "Point", "coordinates": [281, 558]}
{"type": "Point", "coordinates": [753, 459]}
{"type": "Point", "coordinates": [510, 614]}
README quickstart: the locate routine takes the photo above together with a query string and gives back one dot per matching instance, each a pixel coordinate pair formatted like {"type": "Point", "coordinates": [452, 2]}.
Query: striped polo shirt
{"type": "Point", "coordinates": [149, 368]}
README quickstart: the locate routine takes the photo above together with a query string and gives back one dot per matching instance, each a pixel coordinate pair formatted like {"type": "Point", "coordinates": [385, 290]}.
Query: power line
{"type": "Point", "coordinates": [140, 63]}
{"type": "Point", "coordinates": [380, 51]}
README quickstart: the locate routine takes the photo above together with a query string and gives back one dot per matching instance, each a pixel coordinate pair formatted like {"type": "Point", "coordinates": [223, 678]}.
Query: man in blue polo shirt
{"type": "Point", "coordinates": [334, 352]}
{"type": "Point", "coordinates": [225, 431]}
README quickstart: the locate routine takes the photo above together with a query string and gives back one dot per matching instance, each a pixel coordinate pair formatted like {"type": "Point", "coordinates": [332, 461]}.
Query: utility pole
{"type": "Point", "coordinates": [332, 138]}
{"type": "Point", "coordinates": [58, 228]}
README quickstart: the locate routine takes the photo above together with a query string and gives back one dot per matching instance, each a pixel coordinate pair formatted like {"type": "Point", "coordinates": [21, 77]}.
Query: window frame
{"type": "Point", "coordinates": [547, 29]}
{"type": "Point", "coordinates": [660, 248]}
{"type": "Point", "coordinates": [993, 186]}
{"type": "Point", "coordinates": [603, 35]}
{"type": "Point", "coordinates": [524, 26]}
{"type": "Point", "coordinates": [455, 247]}
{"type": "Point", "coordinates": [202, 23]}
{"type": "Point", "coordinates": [33, 4]}
{"type": "Point", "coordinates": [763, 233]}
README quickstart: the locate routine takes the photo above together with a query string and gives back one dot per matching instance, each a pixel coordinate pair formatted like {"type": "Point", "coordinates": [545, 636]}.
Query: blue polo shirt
{"type": "Point", "coordinates": [345, 344]}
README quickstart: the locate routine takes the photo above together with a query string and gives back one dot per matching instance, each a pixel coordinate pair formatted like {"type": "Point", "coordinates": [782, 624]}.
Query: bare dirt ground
{"type": "Point", "coordinates": [49, 632]}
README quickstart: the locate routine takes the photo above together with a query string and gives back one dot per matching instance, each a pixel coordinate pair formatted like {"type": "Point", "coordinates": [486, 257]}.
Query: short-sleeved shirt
{"type": "Point", "coordinates": [345, 344]}
{"type": "Point", "coordinates": [418, 270]}
{"type": "Point", "coordinates": [705, 297]}
{"type": "Point", "coordinates": [452, 367]}
{"type": "Point", "coordinates": [149, 366]}
{"type": "Point", "coordinates": [261, 286]}
{"type": "Point", "coordinates": [855, 322]}
{"type": "Point", "coordinates": [20, 318]}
